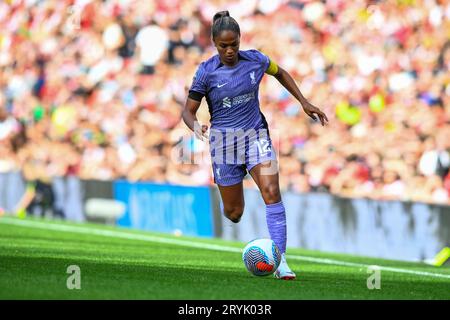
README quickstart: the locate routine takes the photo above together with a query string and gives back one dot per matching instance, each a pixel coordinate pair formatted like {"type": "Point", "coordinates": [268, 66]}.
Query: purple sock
{"type": "Point", "coordinates": [276, 223]}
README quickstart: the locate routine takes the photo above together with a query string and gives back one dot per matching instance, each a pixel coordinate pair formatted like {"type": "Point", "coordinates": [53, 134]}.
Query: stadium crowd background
{"type": "Point", "coordinates": [96, 89]}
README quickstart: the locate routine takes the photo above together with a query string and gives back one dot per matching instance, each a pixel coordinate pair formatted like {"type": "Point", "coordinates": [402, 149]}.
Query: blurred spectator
{"type": "Point", "coordinates": [434, 161]}
{"type": "Point", "coordinates": [152, 42]}
{"type": "Point", "coordinates": [39, 197]}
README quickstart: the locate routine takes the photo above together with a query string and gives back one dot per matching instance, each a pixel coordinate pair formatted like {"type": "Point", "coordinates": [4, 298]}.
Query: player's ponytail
{"type": "Point", "coordinates": [223, 21]}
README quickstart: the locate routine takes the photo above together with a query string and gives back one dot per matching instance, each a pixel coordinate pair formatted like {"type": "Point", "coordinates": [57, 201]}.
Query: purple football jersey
{"type": "Point", "coordinates": [232, 92]}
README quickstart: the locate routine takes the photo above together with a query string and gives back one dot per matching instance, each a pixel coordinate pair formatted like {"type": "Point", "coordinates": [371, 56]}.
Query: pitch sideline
{"type": "Point", "coordinates": [193, 244]}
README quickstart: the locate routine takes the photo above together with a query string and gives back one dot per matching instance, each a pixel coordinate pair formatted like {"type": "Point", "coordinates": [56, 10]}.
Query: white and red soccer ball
{"type": "Point", "coordinates": [261, 257]}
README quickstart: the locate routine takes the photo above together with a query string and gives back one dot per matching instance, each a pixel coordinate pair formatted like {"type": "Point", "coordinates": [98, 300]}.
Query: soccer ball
{"type": "Point", "coordinates": [261, 257]}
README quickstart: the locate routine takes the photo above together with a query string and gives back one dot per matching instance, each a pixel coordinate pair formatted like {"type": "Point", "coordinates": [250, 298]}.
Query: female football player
{"type": "Point", "coordinates": [230, 82]}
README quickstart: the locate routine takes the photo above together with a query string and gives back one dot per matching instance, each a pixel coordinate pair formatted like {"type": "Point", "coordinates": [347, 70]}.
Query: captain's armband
{"type": "Point", "coordinates": [272, 69]}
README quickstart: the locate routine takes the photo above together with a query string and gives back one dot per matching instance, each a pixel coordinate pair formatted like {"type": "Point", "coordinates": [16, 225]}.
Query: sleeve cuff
{"type": "Point", "coordinates": [194, 95]}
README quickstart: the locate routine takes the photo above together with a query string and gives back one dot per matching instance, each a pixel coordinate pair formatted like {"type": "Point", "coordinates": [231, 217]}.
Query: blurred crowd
{"type": "Point", "coordinates": [96, 89]}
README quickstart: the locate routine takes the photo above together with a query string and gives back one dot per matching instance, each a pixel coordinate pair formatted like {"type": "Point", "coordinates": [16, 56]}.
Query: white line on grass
{"type": "Point", "coordinates": [193, 244]}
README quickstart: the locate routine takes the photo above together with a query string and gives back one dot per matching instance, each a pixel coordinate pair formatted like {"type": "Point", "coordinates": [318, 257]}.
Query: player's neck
{"type": "Point", "coordinates": [228, 64]}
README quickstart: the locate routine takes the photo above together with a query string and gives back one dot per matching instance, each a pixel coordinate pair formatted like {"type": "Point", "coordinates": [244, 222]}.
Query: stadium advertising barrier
{"type": "Point", "coordinates": [12, 188]}
{"type": "Point", "coordinates": [69, 197]}
{"type": "Point", "coordinates": [102, 189]}
{"type": "Point", "coordinates": [166, 208]}
{"type": "Point", "coordinates": [383, 229]}
{"type": "Point", "coordinates": [67, 194]}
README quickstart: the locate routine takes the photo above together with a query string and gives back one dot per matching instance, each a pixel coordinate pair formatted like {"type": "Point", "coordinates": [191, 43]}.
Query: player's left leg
{"type": "Point", "coordinates": [266, 178]}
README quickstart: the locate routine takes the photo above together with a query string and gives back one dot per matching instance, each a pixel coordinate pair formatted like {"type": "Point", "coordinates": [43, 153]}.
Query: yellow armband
{"type": "Point", "coordinates": [272, 69]}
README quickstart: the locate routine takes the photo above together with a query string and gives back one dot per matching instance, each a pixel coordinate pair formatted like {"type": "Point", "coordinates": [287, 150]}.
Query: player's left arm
{"type": "Point", "coordinates": [289, 83]}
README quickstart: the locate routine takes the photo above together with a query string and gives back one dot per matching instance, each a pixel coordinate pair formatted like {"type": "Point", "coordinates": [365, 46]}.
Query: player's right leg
{"type": "Point", "coordinates": [229, 171]}
{"type": "Point", "coordinates": [233, 201]}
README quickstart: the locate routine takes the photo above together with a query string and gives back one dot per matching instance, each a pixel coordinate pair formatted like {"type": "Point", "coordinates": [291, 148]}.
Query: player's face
{"type": "Point", "coordinates": [227, 44]}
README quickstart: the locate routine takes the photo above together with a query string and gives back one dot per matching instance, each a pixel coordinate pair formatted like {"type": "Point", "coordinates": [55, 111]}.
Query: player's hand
{"type": "Point", "coordinates": [201, 132]}
{"type": "Point", "coordinates": [314, 112]}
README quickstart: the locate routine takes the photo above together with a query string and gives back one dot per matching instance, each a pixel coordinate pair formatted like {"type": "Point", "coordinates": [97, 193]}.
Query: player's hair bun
{"type": "Point", "coordinates": [221, 14]}
{"type": "Point", "coordinates": [223, 21]}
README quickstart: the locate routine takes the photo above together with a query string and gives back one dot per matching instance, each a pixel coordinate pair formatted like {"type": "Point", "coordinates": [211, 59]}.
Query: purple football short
{"type": "Point", "coordinates": [233, 157]}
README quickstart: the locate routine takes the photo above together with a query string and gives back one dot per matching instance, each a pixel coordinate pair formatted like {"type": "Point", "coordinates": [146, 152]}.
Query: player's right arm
{"type": "Point", "coordinates": [196, 93]}
{"type": "Point", "coordinates": [190, 118]}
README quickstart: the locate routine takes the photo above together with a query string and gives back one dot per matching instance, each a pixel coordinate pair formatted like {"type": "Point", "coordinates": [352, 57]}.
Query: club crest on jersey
{"type": "Point", "coordinates": [252, 76]}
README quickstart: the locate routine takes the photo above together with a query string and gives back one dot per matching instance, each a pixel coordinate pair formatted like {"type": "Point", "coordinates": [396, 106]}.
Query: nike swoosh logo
{"type": "Point", "coordinates": [221, 85]}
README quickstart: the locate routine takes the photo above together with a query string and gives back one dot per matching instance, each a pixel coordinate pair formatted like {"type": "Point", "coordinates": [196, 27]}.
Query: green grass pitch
{"type": "Point", "coordinates": [118, 263]}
